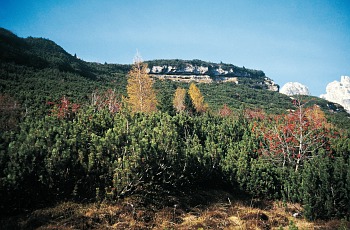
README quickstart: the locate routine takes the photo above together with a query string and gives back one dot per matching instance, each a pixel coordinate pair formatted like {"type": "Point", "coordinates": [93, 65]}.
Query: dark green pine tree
{"type": "Point", "coordinates": [165, 102]}
{"type": "Point", "coordinates": [316, 188]}
{"type": "Point", "coordinates": [189, 105]}
{"type": "Point", "coordinates": [340, 187]}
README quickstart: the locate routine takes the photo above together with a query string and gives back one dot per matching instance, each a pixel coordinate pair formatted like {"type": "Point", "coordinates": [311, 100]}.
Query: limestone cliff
{"type": "Point", "coordinates": [206, 72]}
{"type": "Point", "coordinates": [294, 88]}
{"type": "Point", "coordinates": [339, 92]}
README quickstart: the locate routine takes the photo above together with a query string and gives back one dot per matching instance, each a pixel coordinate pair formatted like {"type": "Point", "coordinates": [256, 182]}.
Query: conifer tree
{"type": "Point", "coordinates": [197, 98]}
{"type": "Point", "coordinates": [189, 106]}
{"type": "Point", "coordinates": [141, 95]}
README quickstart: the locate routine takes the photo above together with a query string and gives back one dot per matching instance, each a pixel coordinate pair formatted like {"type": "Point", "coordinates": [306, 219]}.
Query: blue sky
{"type": "Point", "coordinates": [303, 41]}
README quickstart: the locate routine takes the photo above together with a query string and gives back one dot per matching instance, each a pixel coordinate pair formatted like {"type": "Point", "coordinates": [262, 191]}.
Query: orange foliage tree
{"type": "Point", "coordinates": [64, 109]}
{"type": "Point", "coordinates": [197, 98]}
{"type": "Point", "coordinates": [295, 137]}
{"type": "Point", "coordinates": [141, 95]}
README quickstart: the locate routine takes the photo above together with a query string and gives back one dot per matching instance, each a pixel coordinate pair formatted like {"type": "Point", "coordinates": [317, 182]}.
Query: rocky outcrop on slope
{"type": "Point", "coordinates": [339, 92]}
{"type": "Point", "coordinates": [294, 88]}
{"type": "Point", "coordinates": [210, 73]}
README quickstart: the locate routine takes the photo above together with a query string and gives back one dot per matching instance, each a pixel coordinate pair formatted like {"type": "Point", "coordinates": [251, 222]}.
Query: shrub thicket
{"type": "Point", "coordinates": [96, 154]}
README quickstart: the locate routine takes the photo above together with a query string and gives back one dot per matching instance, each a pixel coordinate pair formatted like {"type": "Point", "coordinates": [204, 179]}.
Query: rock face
{"type": "Point", "coordinates": [294, 88]}
{"type": "Point", "coordinates": [195, 70]}
{"type": "Point", "coordinates": [210, 73]}
{"type": "Point", "coordinates": [271, 85]}
{"type": "Point", "coordinates": [339, 92]}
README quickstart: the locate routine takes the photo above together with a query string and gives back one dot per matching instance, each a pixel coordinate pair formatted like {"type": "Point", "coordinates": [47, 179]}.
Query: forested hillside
{"type": "Point", "coordinates": [74, 130]}
{"type": "Point", "coordinates": [35, 71]}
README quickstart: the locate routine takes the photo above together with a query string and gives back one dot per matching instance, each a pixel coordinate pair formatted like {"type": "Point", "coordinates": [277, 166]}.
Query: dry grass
{"type": "Point", "coordinates": [201, 210]}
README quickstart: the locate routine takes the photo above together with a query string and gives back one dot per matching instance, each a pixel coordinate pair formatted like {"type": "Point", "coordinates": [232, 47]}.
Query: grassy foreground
{"type": "Point", "coordinates": [212, 209]}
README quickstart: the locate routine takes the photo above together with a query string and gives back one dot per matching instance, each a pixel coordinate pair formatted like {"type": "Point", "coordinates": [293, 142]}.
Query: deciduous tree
{"type": "Point", "coordinates": [141, 95]}
{"type": "Point", "coordinates": [295, 137]}
{"type": "Point", "coordinates": [107, 99]}
{"type": "Point", "coordinates": [179, 99]}
{"type": "Point", "coordinates": [64, 109]}
{"type": "Point", "coordinates": [197, 98]}
{"type": "Point", "coordinates": [225, 111]}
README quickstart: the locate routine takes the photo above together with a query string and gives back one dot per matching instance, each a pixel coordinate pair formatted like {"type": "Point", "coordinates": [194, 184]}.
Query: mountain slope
{"type": "Point", "coordinates": [40, 53]}
{"type": "Point", "coordinates": [17, 50]}
{"type": "Point", "coordinates": [35, 70]}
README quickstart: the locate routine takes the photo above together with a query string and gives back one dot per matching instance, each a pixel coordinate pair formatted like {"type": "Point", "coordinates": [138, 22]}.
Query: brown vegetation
{"type": "Point", "coordinates": [212, 209]}
{"type": "Point", "coordinates": [179, 99]}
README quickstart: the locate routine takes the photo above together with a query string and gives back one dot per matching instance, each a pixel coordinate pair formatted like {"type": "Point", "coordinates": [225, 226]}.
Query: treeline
{"type": "Point", "coordinates": [92, 153]}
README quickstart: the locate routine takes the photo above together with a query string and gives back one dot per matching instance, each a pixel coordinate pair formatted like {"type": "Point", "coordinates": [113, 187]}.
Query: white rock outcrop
{"type": "Point", "coordinates": [187, 72]}
{"type": "Point", "coordinates": [294, 88]}
{"type": "Point", "coordinates": [339, 92]}
{"type": "Point", "coordinates": [271, 85]}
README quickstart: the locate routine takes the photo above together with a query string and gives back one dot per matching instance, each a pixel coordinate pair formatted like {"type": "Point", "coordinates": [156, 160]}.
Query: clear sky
{"type": "Point", "coordinates": [306, 41]}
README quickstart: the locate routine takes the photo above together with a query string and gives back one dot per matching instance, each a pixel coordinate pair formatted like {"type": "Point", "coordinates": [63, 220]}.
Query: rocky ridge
{"type": "Point", "coordinates": [209, 74]}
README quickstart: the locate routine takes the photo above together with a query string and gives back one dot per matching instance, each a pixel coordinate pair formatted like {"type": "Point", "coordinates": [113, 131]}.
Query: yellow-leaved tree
{"type": "Point", "coordinates": [197, 98]}
{"type": "Point", "coordinates": [141, 95]}
{"type": "Point", "coordinates": [179, 99]}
